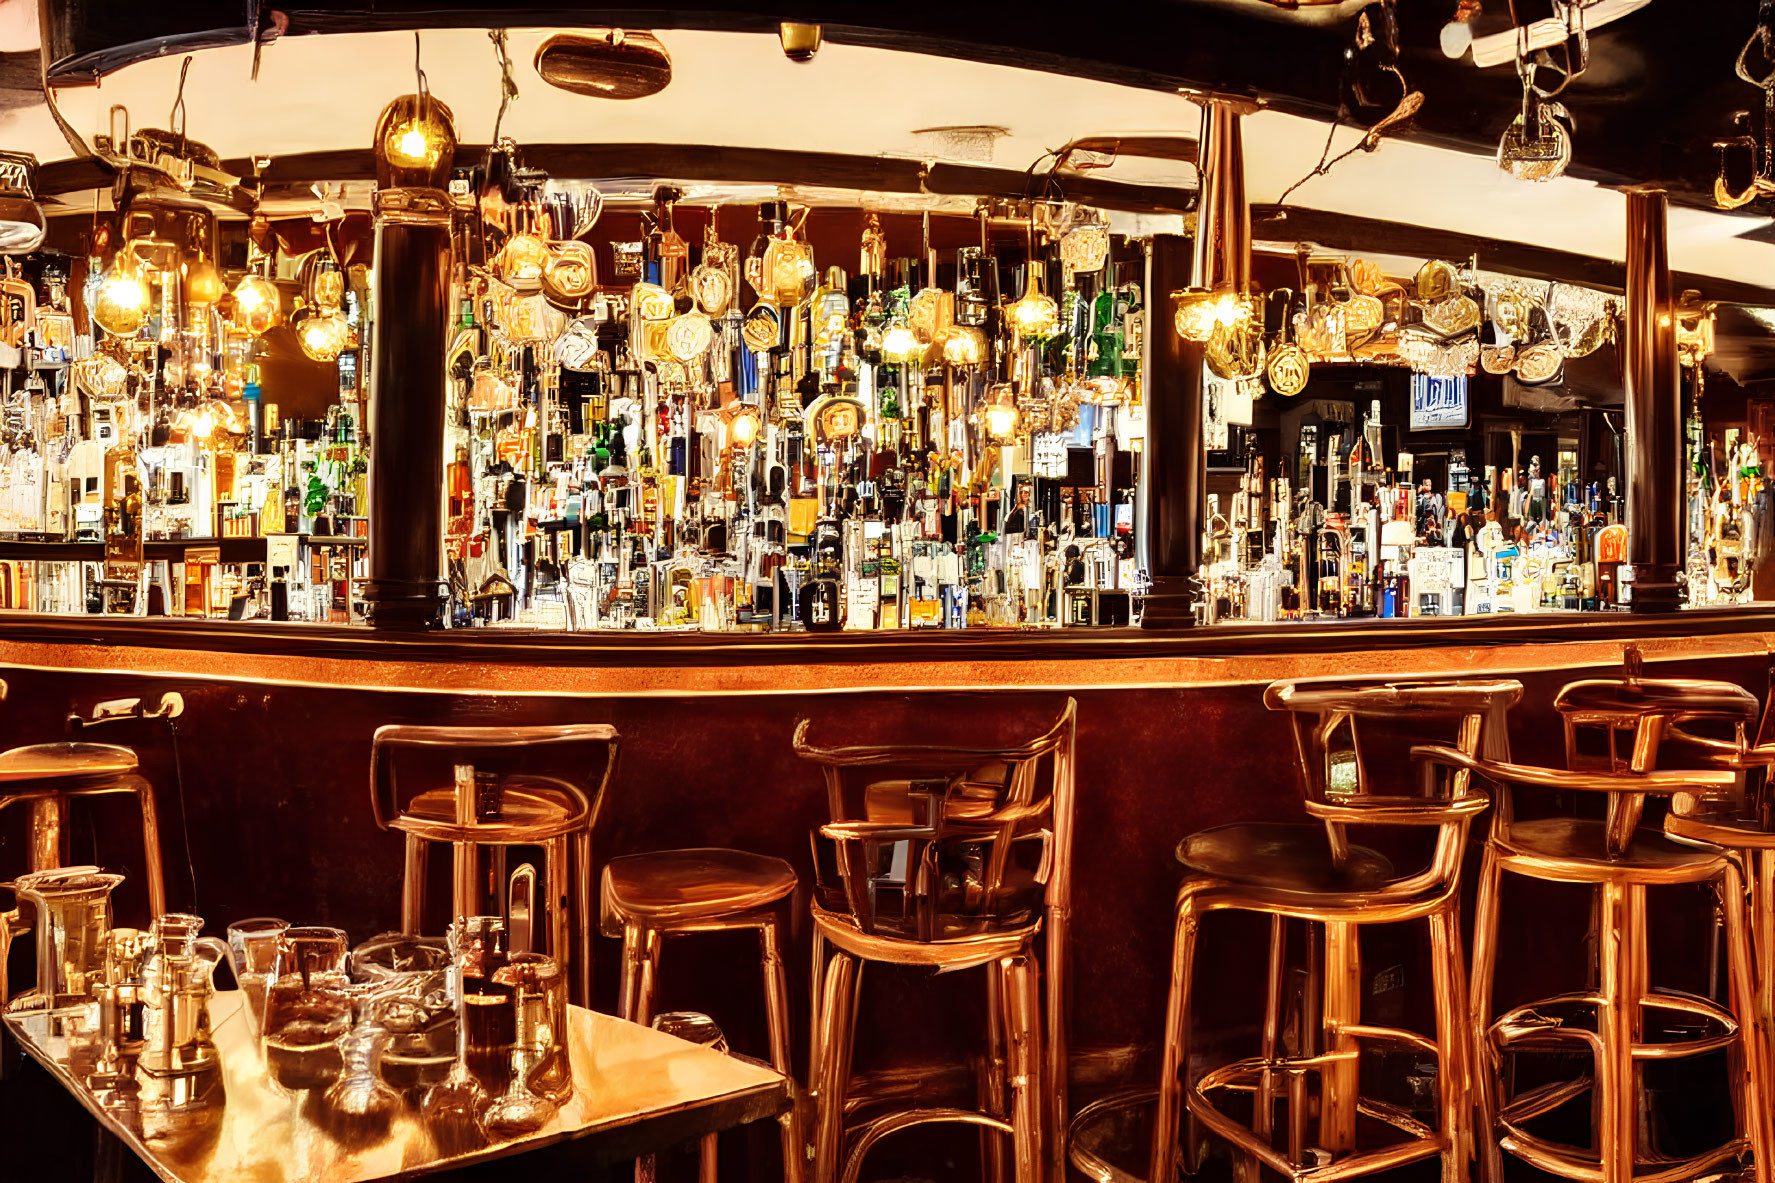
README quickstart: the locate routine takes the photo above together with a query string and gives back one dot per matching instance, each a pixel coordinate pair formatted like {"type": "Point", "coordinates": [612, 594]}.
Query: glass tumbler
{"type": "Point", "coordinates": [307, 1008]}
{"type": "Point", "coordinates": [252, 950]}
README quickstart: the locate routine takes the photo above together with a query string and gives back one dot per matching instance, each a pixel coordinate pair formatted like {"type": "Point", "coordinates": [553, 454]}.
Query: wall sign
{"type": "Point", "coordinates": [1438, 403]}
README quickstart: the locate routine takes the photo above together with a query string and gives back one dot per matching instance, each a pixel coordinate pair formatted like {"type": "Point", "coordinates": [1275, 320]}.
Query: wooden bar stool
{"type": "Point", "coordinates": [949, 858]}
{"type": "Point", "coordinates": [671, 893]}
{"type": "Point", "coordinates": [470, 787]}
{"type": "Point", "coordinates": [1313, 872]}
{"type": "Point", "coordinates": [1741, 819]}
{"type": "Point", "coordinates": [1619, 860]}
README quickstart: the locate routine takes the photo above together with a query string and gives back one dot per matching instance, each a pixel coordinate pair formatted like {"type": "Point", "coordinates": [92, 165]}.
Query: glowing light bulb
{"type": "Point", "coordinates": [745, 426]}
{"type": "Point", "coordinates": [203, 425]}
{"type": "Point", "coordinates": [1001, 421]}
{"type": "Point", "coordinates": [323, 337]}
{"type": "Point", "coordinates": [415, 144]}
{"type": "Point", "coordinates": [900, 343]}
{"type": "Point", "coordinates": [121, 307]}
{"type": "Point", "coordinates": [1202, 313]}
{"type": "Point", "coordinates": [1033, 314]}
{"type": "Point", "coordinates": [255, 306]}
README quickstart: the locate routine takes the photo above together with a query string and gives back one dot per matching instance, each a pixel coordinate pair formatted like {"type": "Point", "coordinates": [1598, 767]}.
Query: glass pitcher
{"type": "Point", "coordinates": [73, 937]}
{"type": "Point", "coordinates": [177, 984]}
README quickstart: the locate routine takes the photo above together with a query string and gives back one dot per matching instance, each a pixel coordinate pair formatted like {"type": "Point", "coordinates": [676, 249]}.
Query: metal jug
{"type": "Point", "coordinates": [175, 995]}
{"type": "Point", "coordinates": [73, 937]}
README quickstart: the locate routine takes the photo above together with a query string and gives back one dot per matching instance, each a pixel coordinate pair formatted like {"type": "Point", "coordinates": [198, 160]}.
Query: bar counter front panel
{"type": "Point", "coordinates": [265, 802]}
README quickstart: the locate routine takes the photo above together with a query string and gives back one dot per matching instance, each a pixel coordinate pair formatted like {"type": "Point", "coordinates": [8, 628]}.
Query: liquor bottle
{"type": "Point", "coordinates": [821, 607]}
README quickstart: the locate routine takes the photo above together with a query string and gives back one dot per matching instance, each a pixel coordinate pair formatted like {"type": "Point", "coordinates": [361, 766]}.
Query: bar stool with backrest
{"type": "Point", "coordinates": [50, 777]}
{"type": "Point", "coordinates": [1313, 872]}
{"type": "Point", "coordinates": [1619, 860]}
{"type": "Point", "coordinates": [501, 804]}
{"type": "Point", "coordinates": [949, 858]}
{"type": "Point", "coordinates": [673, 893]}
{"type": "Point", "coordinates": [1740, 818]}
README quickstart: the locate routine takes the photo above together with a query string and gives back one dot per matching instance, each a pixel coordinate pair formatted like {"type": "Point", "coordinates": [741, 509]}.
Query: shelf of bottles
{"type": "Point", "coordinates": [730, 438]}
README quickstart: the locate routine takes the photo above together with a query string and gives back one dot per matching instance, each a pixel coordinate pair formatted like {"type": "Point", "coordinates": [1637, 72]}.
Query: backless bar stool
{"type": "Point", "coordinates": [465, 786]}
{"type": "Point", "coordinates": [1312, 872]}
{"type": "Point", "coordinates": [1619, 860]}
{"type": "Point", "coordinates": [671, 893]}
{"type": "Point", "coordinates": [949, 858]}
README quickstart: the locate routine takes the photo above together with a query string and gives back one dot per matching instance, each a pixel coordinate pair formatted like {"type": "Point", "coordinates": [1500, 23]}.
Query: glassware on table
{"type": "Point", "coordinates": [307, 1008]}
{"type": "Point", "coordinates": [73, 939]}
{"type": "Point", "coordinates": [452, 1109]}
{"type": "Point", "coordinates": [359, 1107]}
{"type": "Point", "coordinates": [252, 950]}
{"type": "Point", "coordinates": [412, 1007]}
{"type": "Point", "coordinates": [540, 1076]}
{"type": "Point", "coordinates": [176, 987]}
{"type": "Point", "coordinates": [539, 991]}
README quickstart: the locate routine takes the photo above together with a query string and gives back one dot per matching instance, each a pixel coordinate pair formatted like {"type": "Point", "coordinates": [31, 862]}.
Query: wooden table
{"type": "Point", "coordinates": [636, 1091]}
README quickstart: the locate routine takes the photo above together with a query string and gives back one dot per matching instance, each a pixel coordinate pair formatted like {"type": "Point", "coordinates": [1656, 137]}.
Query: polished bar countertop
{"type": "Point", "coordinates": [636, 1090]}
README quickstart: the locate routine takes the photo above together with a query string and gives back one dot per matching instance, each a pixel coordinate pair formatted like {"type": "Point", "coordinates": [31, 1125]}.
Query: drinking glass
{"type": "Point", "coordinates": [540, 1075]}
{"type": "Point", "coordinates": [307, 1008]}
{"type": "Point", "coordinates": [252, 950]}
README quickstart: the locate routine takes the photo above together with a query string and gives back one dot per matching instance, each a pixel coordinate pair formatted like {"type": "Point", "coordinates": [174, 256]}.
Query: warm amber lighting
{"type": "Point", "coordinates": [204, 285]}
{"type": "Point", "coordinates": [961, 345]}
{"type": "Point", "coordinates": [743, 423]}
{"type": "Point", "coordinates": [1201, 313]}
{"type": "Point", "coordinates": [415, 144]}
{"type": "Point", "coordinates": [121, 308]}
{"type": "Point", "coordinates": [1033, 314]}
{"type": "Point", "coordinates": [900, 343]}
{"type": "Point", "coordinates": [323, 336]}
{"type": "Point", "coordinates": [1000, 415]}
{"type": "Point", "coordinates": [255, 305]}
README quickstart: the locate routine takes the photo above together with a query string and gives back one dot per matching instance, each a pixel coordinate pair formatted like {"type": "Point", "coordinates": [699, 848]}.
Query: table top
{"type": "Point", "coordinates": [636, 1090]}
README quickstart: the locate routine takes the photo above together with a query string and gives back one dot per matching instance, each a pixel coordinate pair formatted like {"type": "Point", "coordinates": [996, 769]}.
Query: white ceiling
{"type": "Point", "coordinates": [320, 93]}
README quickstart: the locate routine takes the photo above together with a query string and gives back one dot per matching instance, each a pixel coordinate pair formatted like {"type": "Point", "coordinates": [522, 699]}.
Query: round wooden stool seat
{"type": "Point", "coordinates": [667, 887]}
{"type": "Point", "coordinates": [532, 809]}
{"type": "Point", "coordinates": [1284, 856]}
{"type": "Point", "coordinates": [59, 761]}
{"type": "Point", "coordinates": [1576, 850]}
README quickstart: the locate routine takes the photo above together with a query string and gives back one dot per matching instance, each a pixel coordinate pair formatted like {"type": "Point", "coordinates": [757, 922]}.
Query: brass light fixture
{"type": "Point", "coordinates": [415, 142]}
{"type": "Point", "coordinates": [800, 41]}
{"type": "Point", "coordinates": [605, 63]}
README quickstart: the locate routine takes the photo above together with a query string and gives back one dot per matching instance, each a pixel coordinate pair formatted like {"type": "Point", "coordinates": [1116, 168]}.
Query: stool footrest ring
{"type": "Point", "coordinates": [1571, 1162]}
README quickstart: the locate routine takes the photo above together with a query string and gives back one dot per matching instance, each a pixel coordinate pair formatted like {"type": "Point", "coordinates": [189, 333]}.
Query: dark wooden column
{"type": "Point", "coordinates": [1174, 472]}
{"type": "Point", "coordinates": [1176, 460]}
{"type": "Point", "coordinates": [411, 304]}
{"type": "Point", "coordinates": [1654, 409]}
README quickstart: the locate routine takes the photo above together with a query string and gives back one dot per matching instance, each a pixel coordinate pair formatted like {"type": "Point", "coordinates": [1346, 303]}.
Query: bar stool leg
{"type": "Point", "coordinates": [1023, 998]}
{"type": "Point", "coordinates": [153, 870]}
{"type": "Point", "coordinates": [1484, 1067]}
{"type": "Point", "coordinates": [776, 1001]}
{"type": "Point", "coordinates": [1451, 1034]}
{"type": "Point", "coordinates": [990, 1081]}
{"type": "Point", "coordinates": [49, 833]}
{"type": "Point", "coordinates": [464, 893]}
{"type": "Point", "coordinates": [413, 885]}
{"type": "Point", "coordinates": [837, 1023]}
{"type": "Point", "coordinates": [1343, 1008]}
{"type": "Point", "coordinates": [555, 872]}
{"type": "Point", "coordinates": [582, 912]}
{"type": "Point", "coordinates": [1175, 1052]}
{"type": "Point", "coordinates": [640, 971]}
{"type": "Point", "coordinates": [1057, 964]}
{"type": "Point", "coordinates": [1619, 935]}
{"type": "Point", "coordinates": [1263, 1116]}
{"type": "Point", "coordinates": [816, 987]}
{"type": "Point", "coordinates": [1753, 1028]}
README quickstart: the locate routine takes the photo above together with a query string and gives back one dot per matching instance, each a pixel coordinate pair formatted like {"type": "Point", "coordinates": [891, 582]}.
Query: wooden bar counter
{"type": "Point", "coordinates": [264, 789]}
